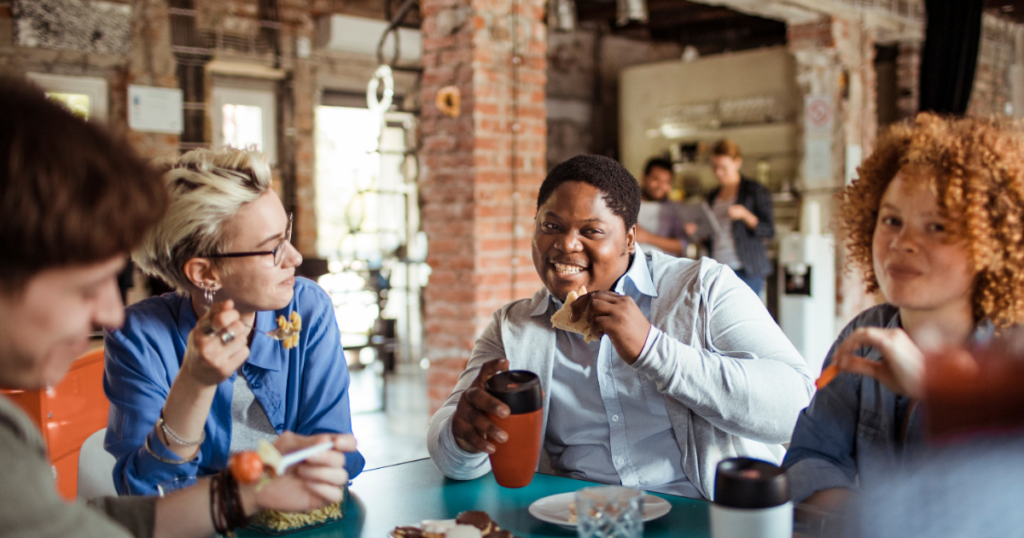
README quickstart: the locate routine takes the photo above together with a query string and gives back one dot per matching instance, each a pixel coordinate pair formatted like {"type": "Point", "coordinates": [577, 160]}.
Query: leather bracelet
{"type": "Point", "coordinates": [236, 513]}
{"type": "Point", "coordinates": [169, 433]}
{"type": "Point", "coordinates": [163, 459]}
{"type": "Point", "coordinates": [216, 515]}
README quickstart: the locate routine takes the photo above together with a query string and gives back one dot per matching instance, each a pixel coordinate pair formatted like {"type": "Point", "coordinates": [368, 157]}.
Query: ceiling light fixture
{"type": "Point", "coordinates": [630, 10]}
{"type": "Point", "coordinates": [562, 15]}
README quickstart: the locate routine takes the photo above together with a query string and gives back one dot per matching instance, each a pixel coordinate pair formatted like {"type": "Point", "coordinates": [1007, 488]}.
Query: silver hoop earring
{"type": "Point", "coordinates": [208, 291]}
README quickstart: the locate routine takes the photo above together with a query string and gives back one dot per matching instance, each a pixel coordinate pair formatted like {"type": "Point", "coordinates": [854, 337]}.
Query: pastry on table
{"type": "Point", "coordinates": [469, 524]}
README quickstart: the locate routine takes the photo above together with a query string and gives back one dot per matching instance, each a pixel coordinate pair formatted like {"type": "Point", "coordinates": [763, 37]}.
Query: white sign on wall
{"type": "Point", "coordinates": [155, 110]}
{"type": "Point", "coordinates": [819, 118]}
{"type": "Point", "coordinates": [818, 115]}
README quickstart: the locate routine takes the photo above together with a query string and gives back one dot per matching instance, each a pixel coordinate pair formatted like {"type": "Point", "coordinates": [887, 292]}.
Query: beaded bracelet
{"type": "Point", "coordinates": [169, 433]}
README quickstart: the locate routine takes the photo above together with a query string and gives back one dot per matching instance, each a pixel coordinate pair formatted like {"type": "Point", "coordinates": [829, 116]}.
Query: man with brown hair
{"type": "Point", "coordinates": [73, 202]}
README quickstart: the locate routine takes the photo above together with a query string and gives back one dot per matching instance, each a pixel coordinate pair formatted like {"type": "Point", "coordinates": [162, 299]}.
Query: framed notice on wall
{"type": "Point", "coordinates": [155, 110]}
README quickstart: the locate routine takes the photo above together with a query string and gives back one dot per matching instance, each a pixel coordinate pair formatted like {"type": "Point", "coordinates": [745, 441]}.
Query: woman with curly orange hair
{"type": "Point", "coordinates": [934, 223]}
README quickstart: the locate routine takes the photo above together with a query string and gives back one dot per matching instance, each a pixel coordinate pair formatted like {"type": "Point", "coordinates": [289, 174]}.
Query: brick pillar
{"type": "Point", "coordinates": [835, 57]}
{"type": "Point", "coordinates": [296, 145]}
{"type": "Point", "coordinates": [478, 202]}
{"type": "Point", "coordinates": [151, 64]}
{"type": "Point", "coordinates": [908, 78]}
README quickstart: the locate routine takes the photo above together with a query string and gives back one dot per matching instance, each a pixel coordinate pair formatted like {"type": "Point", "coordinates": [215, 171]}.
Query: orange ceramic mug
{"type": "Point", "coordinates": [515, 460]}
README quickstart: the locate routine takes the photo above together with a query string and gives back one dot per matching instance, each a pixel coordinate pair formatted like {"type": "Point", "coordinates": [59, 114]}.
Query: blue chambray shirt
{"type": "Point", "coordinates": [607, 422]}
{"type": "Point", "coordinates": [852, 433]}
{"type": "Point", "coordinates": [303, 389]}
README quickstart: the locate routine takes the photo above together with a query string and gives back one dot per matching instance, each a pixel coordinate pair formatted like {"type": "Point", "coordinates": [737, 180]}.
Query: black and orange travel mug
{"type": "Point", "coordinates": [515, 460]}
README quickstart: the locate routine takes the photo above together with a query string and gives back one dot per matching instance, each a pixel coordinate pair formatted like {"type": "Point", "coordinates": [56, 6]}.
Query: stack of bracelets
{"type": "Point", "coordinates": [226, 509]}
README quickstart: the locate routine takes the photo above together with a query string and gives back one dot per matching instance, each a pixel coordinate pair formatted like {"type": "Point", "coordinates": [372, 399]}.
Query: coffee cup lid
{"type": "Point", "coordinates": [750, 483]}
{"type": "Point", "coordinates": [518, 389]}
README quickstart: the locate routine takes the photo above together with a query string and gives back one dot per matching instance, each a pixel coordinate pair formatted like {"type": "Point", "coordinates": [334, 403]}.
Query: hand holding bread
{"type": "Point", "coordinates": [600, 313]}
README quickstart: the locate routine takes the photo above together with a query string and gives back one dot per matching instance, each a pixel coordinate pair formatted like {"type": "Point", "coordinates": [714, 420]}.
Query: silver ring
{"type": "Point", "coordinates": [209, 330]}
{"type": "Point", "coordinates": [226, 337]}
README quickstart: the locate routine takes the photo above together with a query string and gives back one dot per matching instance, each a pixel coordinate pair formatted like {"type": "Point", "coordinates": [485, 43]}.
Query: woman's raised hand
{"type": "Point", "coordinates": [901, 368]}
{"type": "Point", "coordinates": [216, 346]}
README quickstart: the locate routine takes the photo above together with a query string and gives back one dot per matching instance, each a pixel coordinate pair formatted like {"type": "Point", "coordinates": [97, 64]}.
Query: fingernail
{"type": "Point", "coordinates": [489, 449]}
{"type": "Point", "coordinates": [501, 437]}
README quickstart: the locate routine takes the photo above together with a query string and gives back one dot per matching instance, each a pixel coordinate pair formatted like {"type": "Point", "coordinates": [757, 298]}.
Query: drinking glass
{"type": "Point", "coordinates": [174, 484]}
{"type": "Point", "coordinates": [609, 512]}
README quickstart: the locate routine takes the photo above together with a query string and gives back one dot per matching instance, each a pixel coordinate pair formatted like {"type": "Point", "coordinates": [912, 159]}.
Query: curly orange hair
{"type": "Point", "coordinates": [979, 182]}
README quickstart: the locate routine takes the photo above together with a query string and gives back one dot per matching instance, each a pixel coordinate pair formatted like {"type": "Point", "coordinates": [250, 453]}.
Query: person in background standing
{"type": "Point", "coordinates": [744, 207]}
{"type": "Point", "coordinates": [661, 225]}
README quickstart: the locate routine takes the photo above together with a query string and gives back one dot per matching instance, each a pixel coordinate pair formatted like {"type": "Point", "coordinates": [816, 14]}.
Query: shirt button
{"type": "Point", "coordinates": [622, 460]}
{"type": "Point", "coordinates": [280, 427]}
{"type": "Point", "coordinates": [615, 418]}
{"type": "Point", "coordinates": [256, 385]}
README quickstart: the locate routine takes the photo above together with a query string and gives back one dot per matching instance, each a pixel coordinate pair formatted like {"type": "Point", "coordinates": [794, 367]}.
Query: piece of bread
{"type": "Point", "coordinates": [561, 319]}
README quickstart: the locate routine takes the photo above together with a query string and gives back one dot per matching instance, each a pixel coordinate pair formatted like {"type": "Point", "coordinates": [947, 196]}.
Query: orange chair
{"type": "Point", "coordinates": [67, 415]}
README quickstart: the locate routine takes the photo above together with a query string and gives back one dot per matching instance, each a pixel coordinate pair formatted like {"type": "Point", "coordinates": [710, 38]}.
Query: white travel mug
{"type": "Point", "coordinates": [751, 501]}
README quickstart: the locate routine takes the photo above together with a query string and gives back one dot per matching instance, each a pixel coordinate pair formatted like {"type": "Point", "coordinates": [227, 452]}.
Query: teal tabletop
{"type": "Point", "coordinates": [408, 493]}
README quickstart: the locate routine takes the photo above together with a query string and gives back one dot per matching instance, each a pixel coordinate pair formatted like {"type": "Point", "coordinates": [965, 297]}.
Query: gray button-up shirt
{"type": "Point", "coordinates": [608, 423]}
{"type": "Point", "coordinates": [732, 383]}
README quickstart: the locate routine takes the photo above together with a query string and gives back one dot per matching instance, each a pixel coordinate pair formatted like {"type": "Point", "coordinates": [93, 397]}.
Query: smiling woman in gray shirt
{"type": "Point", "coordinates": [689, 368]}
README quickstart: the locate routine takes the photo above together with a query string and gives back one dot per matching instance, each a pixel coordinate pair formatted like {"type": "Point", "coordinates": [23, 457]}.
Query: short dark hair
{"type": "Point", "coordinates": [69, 192]}
{"type": "Point", "coordinates": [657, 162]}
{"type": "Point", "coordinates": [620, 189]}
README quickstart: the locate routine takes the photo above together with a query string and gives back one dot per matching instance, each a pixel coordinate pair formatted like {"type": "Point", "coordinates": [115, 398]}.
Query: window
{"type": "Point", "coordinates": [243, 118]}
{"type": "Point", "coordinates": [84, 96]}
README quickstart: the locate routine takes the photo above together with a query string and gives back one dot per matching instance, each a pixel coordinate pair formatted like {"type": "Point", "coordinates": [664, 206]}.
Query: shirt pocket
{"type": "Point", "coordinates": [874, 437]}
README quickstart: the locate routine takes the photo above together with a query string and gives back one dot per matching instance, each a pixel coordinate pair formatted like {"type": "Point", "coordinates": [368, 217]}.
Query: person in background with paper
{"type": "Point", "coordinates": [743, 210]}
{"type": "Point", "coordinates": [661, 225]}
{"type": "Point", "coordinates": [669, 366]}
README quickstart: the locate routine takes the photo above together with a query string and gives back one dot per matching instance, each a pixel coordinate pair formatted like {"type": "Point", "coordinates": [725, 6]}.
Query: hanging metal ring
{"type": "Point", "coordinates": [383, 73]}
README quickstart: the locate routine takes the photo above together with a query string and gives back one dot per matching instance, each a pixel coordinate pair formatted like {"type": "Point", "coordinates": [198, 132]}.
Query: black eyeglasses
{"type": "Point", "coordinates": [277, 253]}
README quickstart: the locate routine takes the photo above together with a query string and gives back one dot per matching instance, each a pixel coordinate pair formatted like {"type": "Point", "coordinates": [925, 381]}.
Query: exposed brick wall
{"type": "Point", "coordinates": [478, 224]}
{"type": "Point", "coordinates": [996, 53]}
{"type": "Point", "coordinates": [908, 79]}
{"type": "Point", "coordinates": [570, 94]}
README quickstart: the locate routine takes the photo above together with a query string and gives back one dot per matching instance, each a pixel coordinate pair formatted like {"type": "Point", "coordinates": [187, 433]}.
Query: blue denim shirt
{"type": "Point", "coordinates": [303, 389]}
{"type": "Point", "coordinates": [852, 432]}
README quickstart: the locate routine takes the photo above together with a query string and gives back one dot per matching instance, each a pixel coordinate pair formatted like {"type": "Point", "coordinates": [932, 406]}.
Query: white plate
{"type": "Point", "coordinates": [555, 508]}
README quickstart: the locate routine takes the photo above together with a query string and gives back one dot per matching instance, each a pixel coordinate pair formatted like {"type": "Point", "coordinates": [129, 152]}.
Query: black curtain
{"type": "Point", "coordinates": [950, 54]}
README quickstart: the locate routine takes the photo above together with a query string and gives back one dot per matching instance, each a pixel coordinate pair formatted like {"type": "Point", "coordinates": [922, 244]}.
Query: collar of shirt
{"type": "Point", "coordinates": [638, 275]}
{"type": "Point", "coordinates": [261, 355]}
{"type": "Point", "coordinates": [983, 334]}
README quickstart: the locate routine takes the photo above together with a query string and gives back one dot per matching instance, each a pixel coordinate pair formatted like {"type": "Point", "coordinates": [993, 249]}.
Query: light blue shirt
{"type": "Point", "coordinates": [608, 422]}
{"type": "Point", "coordinates": [303, 389]}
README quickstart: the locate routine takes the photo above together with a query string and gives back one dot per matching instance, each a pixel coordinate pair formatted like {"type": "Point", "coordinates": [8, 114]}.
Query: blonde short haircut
{"type": "Point", "coordinates": [207, 187]}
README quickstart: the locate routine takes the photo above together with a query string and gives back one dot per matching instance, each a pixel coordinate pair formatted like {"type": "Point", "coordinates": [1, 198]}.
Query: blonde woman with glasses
{"type": "Point", "coordinates": [194, 376]}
